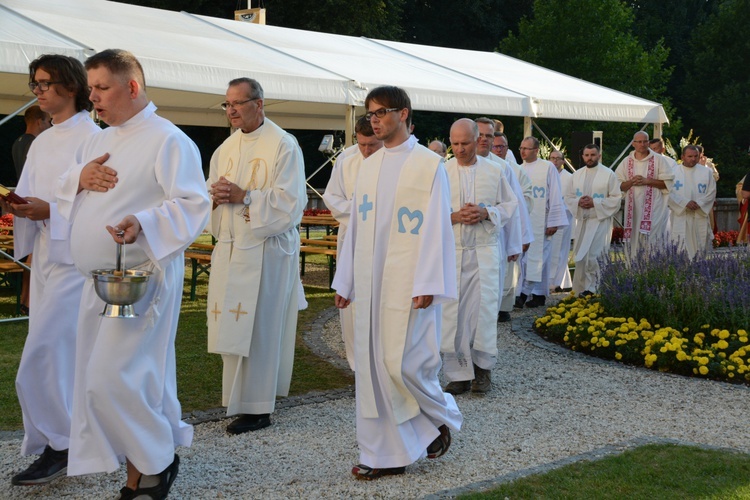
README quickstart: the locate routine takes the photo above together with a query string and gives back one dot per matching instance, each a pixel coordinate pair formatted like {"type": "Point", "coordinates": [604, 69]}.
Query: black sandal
{"type": "Point", "coordinates": [368, 473]}
{"type": "Point", "coordinates": [440, 445]}
{"type": "Point", "coordinates": [158, 492]}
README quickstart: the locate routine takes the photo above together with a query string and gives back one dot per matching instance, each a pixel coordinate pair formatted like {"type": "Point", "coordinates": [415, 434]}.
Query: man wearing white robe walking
{"type": "Point", "coordinates": [690, 201]}
{"type": "Point", "coordinates": [593, 197]}
{"type": "Point", "coordinates": [560, 253]}
{"type": "Point", "coordinates": [547, 216]}
{"type": "Point", "coordinates": [143, 184]}
{"type": "Point", "coordinates": [257, 181]}
{"type": "Point", "coordinates": [398, 266]}
{"type": "Point", "coordinates": [45, 376]}
{"type": "Point", "coordinates": [338, 199]}
{"type": "Point", "coordinates": [482, 203]}
{"type": "Point", "coordinates": [645, 181]}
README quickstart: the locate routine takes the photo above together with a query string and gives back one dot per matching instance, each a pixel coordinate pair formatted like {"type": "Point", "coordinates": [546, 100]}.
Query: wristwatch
{"type": "Point", "coordinates": [247, 200]}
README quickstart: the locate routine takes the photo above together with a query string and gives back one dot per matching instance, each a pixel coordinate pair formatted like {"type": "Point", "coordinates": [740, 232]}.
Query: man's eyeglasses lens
{"type": "Point", "coordinates": [380, 113]}
{"type": "Point", "coordinates": [226, 105]}
{"type": "Point", "coordinates": [43, 86]}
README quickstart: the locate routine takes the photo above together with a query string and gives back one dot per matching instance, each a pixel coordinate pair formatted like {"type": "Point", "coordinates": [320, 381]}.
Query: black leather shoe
{"type": "Point", "coordinates": [503, 317]}
{"type": "Point", "coordinates": [536, 300]}
{"type": "Point", "coordinates": [520, 301]}
{"type": "Point", "coordinates": [249, 423]}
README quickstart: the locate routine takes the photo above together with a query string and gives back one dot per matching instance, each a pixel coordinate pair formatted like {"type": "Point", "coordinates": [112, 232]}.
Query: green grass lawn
{"type": "Point", "coordinates": [198, 372]}
{"type": "Point", "coordinates": [660, 471]}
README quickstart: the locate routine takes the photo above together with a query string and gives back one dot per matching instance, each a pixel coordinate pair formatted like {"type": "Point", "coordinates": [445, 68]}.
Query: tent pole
{"type": "Point", "coordinates": [567, 163]}
{"type": "Point", "coordinates": [349, 132]}
{"type": "Point", "coordinates": [526, 126]}
{"type": "Point", "coordinates": [18, 111]}
{"type": "Point", "coordinates": [657, 130]}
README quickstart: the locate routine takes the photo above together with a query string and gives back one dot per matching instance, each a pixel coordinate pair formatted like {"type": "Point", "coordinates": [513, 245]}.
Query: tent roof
{"type": "Point", "coordinates": [310, 79]}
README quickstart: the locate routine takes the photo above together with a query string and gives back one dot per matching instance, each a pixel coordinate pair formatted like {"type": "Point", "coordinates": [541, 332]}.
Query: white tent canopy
{"type": "Point", "coordinates": [311, 80]}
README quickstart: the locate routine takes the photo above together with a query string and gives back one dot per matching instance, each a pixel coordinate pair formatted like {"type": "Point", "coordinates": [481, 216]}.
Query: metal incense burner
{"type": "Point", "coordinates": [120, 288]}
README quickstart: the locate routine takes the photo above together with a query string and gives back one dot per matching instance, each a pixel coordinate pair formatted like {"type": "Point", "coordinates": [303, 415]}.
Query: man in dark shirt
{"type": "Point", "coordinates": [37, 121]}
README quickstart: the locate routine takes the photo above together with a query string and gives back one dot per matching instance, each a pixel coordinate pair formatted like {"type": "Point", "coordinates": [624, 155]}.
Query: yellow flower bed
{"type": "Point", "coordinates": [582, 324]}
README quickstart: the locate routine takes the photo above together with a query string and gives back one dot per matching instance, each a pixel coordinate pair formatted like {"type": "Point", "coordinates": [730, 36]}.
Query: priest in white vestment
{"type": "Point", "coordinates": [338, 199]}
{"type": "Point", "coordinates": [140, 180]}
{"type": "Point", "coordinates": [482, 203]}
{"type": "Point", "coordinates": [511, 236]}
{"type": "Point", "coordinates": [593, 197]}
{"type": "Point", "coordinates": [398, 266]}
{"type": "Point", "coordinates": [257, 181]}
{"type": "Point", "coordinates": [645, 181]}
{"type": "Point", "coordinates": [560, 253]}
{"type": "Point", "coordinates": [44, 382]}
{"type": "Point", "coordinates": [525, 204]}
{"type": "Point", "coordinates": [547, 217]}
{"type": "Point", "coordinates": [690, 201]}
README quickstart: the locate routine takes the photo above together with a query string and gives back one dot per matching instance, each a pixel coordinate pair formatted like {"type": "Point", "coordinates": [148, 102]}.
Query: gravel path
{"type": "Point", "coordinates": [549, 406]}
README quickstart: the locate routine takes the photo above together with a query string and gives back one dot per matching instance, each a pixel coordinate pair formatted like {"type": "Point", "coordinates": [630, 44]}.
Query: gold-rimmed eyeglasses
{"type": "Point", "coordinates": [226, 105]}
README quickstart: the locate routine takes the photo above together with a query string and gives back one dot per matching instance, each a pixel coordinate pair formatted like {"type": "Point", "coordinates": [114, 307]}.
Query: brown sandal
{"type": "Point", "coordinates": [440, 445]}
{"type": "Point", "coordinates": [368, 473]}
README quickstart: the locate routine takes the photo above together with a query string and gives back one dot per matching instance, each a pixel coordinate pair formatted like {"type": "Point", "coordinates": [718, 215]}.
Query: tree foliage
{"type": "Point", "coordinates": [474, 25]}
{"type": "Point", "coordinates": [716, 94]}
{"type": "Point", "coordinates": [370, 18]}
{"type": "Point", "coordinates": [592, 40]}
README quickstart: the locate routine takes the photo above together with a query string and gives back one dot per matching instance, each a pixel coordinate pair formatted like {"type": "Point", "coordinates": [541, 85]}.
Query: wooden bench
{"type": "Point", "coordinates": [200, 261]}
{"type": "Point", "coordinates": [325, 247]}
{"type": "Point", "coordinates": [9, 277]}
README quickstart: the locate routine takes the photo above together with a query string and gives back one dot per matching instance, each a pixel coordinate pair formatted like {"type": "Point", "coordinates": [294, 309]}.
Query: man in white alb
{"type": "Point", "coordinates": [525, 205]}
{"type": "Point", "coordinates": [398, 266]}
{"type": "Point", "coordinates": [45, 376]}
{"type": "Point", "coordinates": [257, 181]}
{"type": "Point", "coordinates": [690, 200]}
{"type": "Point", "coordinates": [645, 181]}
{"type": "Point", "coordinates": [338, 199]}
{"type": "Point", "coordinates": [140, 179]}
{"type": "Point", "coordinates": [482, 203]}
{"type": "Point", "coordinates": [547, 216]}
{"type": "Point", "coordinates": [593, 197]}
{"type": "Point", "coordinates": [560, 253]}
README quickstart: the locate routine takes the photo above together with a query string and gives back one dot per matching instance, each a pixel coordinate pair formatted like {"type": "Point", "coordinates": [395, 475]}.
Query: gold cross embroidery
{"type": "Point", "coordinates": [216, 311]}
{"type": "Point", "coordinates": [238, 311]}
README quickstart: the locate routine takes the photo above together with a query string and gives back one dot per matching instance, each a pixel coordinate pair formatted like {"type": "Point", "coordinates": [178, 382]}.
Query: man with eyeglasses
{"type": "Point", "coordinates": [138, 182]}
{"type": "Point", "coordinates": [560, 254]}
{"type": "Point", "coordinates": [45, 376]}
{"type": "Point", "coordinates": [398, 266]}
{"type": "Point", "coordinates": [513, 271]}
{"type": "Point", "coordinates": [338, 199]}
{"type": "Point", "coordinates": [547, 216]}
{"type": "Point", "coordinates": [257, 181]}
{"type": "Point", "coordinates": [483, 203]}
{"type": "Point", "coordinates": [645, 181]}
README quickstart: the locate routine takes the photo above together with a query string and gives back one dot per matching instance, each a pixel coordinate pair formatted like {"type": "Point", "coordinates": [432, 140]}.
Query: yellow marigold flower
{"type": "Point", "coordinates": [623, 328]}
{"type": "Point", "coordinates": [743, 339]}
{"type": "Point", "coordinates": [703, 360]}
{"type": "Point", "coordinates": [618, 356]}
{"type": "Point", "coordinates": [742, 332]}
{"type": "Point", "coordinates": [663, 349]}
{"type": "Point", "coordinates": [703, 370]}
{"type": "Point", "coordinates": [681, 356]}
{"type": "Point", "coordinates": [686, 329]}
{"type": "Point", "coordinates": [730, 375]}
{"type": "Point", "coordinates": [724, 334]}
{"type": "Point", "coordinates": [705, 326]}
{"type": "Point", "coordinates": [722, 344]}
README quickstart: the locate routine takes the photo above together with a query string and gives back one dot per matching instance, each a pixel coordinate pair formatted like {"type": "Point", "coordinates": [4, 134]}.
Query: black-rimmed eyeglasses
{"type": "Point", "coordinates": [380, 113]}
{"type": "Point", "coordinates": [226, 105]}
{"type": "Point", "coordinates": [43, 86]}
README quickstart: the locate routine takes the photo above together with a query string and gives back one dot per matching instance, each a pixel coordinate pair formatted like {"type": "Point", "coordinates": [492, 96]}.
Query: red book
{"type": "Point", "coordinates": [10, 196]}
